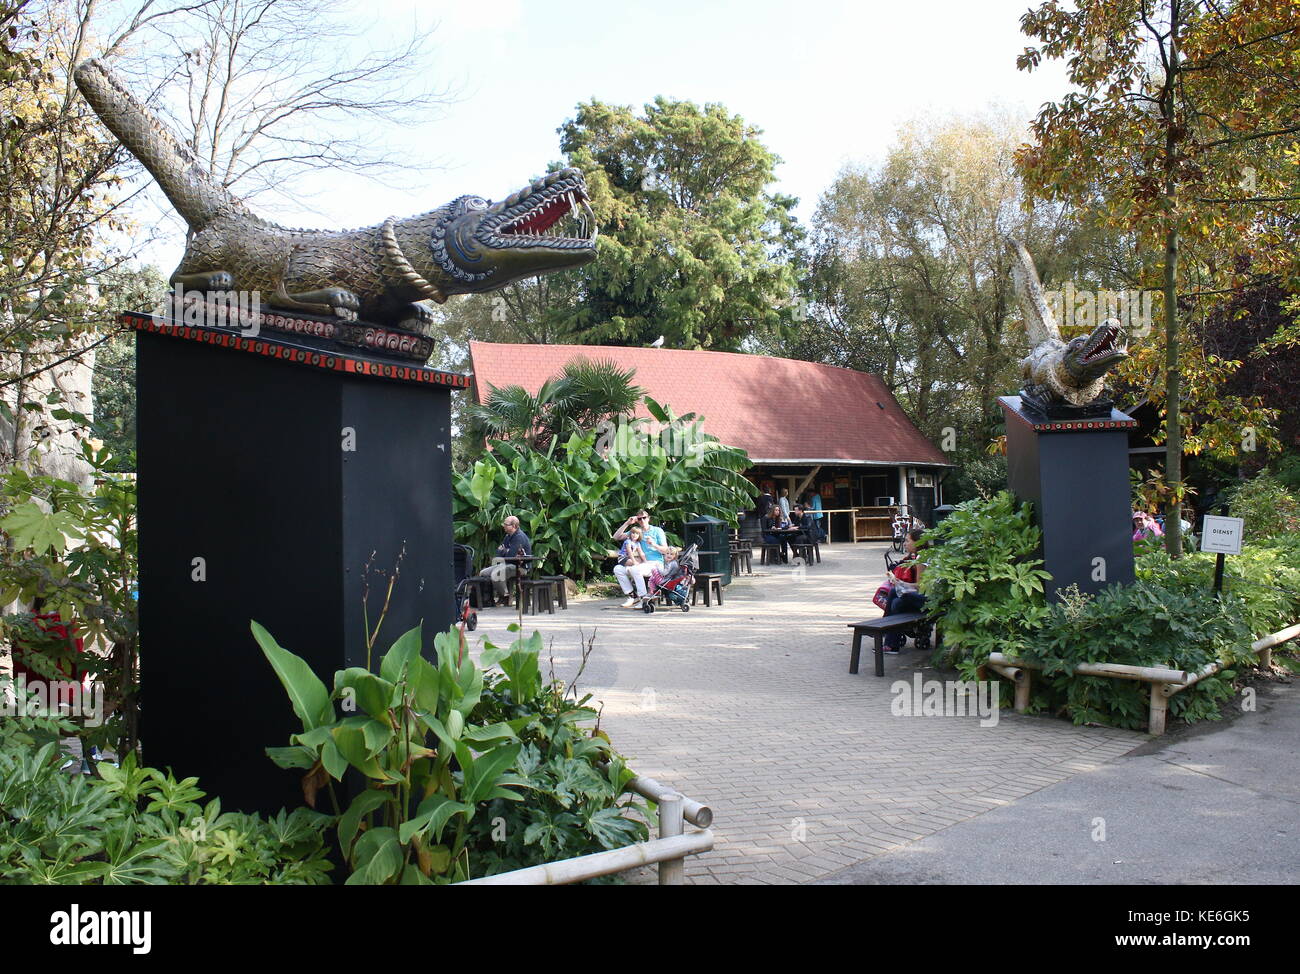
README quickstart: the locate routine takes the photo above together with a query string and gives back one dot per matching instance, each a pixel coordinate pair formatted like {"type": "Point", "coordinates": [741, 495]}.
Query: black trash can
{"type": "Point", "coordinates": [941, 512]}
{"type": "Point", "coordinates": [710, 534]}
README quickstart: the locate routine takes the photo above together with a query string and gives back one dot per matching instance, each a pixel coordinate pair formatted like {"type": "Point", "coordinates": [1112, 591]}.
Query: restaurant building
{"type": "Point", "coordinates": [804, 425]}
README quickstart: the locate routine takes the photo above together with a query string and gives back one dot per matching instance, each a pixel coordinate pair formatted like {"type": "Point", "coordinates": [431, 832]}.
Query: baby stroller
{"type": "Point", "coordinates": [462, 562]}
{"type": "Point", "coordinates": [920, 632]}
{"type": "Point", "coordinates": [675, 587]}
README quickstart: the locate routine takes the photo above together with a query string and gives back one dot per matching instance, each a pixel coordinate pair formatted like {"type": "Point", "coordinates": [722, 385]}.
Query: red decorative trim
{"type": "Point", "coordinates": [272, 349]}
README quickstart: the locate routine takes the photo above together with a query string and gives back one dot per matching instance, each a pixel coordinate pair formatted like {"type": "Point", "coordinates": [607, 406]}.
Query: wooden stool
{"type": "Point", "coordinates": [707, 582]}
{"type": "Point", "coordinates": [561, 588]}
{"type": "Point", "coordinates": [770, 555]}
{"type": "Point", "coordinates": [532, 591]}
{"type": "Point", "coordinates": [804, 550]}
{"type": "Point", "coordinates": [479, 591]}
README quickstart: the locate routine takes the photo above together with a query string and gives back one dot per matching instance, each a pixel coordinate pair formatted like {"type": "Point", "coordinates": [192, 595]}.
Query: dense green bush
{"type": "Point", "coordinates": [1266, 505]}
{"type": "Point", "coordinates": [570, 501]}
{"type": "Point", "coordinates": [986, 584]}
{"type": "Point", "coordinates": [467, 771]}
{"type": "Point", "coordinates": [135, 825]}
{"type": "Point", "coordinates": [984, 580]}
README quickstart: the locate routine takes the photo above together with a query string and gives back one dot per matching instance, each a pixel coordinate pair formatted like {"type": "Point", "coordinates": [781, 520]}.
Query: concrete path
{"type": "Point", "coordinates": [1211, 803]}
{"type": "Point", "coordinates": [750, 708]}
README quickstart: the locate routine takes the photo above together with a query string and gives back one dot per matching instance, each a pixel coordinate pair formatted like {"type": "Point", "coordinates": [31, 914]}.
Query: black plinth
{"type": "Point", "coordinates": [1075, 472]}
{"type": "Point", "coordinates": [243, 463]}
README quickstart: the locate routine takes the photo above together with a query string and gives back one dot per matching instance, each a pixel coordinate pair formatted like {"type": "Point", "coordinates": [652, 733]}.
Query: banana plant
{"type": "Point", "coordinates": [406, 732]}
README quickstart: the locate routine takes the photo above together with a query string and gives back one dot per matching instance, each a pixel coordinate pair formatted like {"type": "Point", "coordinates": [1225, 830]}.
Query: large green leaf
{"type": "Point", "coordinates": [307, 694]}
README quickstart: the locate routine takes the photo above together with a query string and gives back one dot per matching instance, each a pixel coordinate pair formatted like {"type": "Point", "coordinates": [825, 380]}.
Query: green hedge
{"type": "Point", "coordinates": [988, 588]}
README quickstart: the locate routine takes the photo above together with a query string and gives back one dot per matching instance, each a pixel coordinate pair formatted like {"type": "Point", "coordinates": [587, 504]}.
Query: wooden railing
{"type": "Point", "coordinates": [1164, 682]}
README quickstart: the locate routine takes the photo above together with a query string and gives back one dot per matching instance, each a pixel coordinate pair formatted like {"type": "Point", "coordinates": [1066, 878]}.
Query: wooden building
{"type": "Point", "coordinates": [805, 426]}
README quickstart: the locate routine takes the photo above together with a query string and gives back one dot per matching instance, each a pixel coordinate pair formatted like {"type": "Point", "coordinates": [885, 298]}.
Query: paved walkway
{"type": "Point", "coordinates": [1208, 804]}
{"type": "Point", "coordinates": [750, 708]}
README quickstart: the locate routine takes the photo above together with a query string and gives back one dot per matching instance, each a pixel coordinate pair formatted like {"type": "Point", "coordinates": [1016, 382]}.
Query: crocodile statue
{"type": "Point", "coordinates": [381, 273]}
{"type": "Point", "coordinates": [1059, 376]}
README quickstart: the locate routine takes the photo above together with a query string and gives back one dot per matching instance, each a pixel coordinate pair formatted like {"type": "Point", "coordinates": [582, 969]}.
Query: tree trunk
{"type": "Point", "coordinates": [1173, 390]}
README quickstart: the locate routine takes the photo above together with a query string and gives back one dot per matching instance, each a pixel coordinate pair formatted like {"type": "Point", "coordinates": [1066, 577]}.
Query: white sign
{"type": "Point", "coordinates": [1222, 534]}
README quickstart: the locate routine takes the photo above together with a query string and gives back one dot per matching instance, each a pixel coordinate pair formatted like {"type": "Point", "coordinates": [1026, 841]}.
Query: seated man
{"type": "Point", "coordinates": [514, 544]}
{"type": "Point", "coordinates": [906, 597]}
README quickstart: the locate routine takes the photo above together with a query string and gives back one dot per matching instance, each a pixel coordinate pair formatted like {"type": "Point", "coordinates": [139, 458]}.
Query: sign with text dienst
{"type": "Point", "coordinates": [1222, 535]}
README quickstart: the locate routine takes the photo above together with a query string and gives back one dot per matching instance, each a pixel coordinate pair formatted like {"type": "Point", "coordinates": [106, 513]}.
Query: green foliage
{"type": "Point", "coordinates": [581, 397]}
{"type": "Point", "coordinates": [983, 579]}
{"type": "Point", "coordinates": [73, 552]}
{"type": "Point", "coordinates": [1268, 507]}
{"type": "Point", "coordinates": [467, 771]}
{"type": "Point", "coordinates": [1145, 624]}
{"type": "Point", "coordinates": [692, 245]}
{"type": "Point", "coordinates": [571, 500]}
{"type": "Point", "coordinates": [135, 825]}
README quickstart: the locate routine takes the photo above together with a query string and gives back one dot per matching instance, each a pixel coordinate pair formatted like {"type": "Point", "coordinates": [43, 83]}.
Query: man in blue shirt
{"type": "Point", "coordinates": [655, 545]}
{"type": "Point", "coordinates": [515, 544]}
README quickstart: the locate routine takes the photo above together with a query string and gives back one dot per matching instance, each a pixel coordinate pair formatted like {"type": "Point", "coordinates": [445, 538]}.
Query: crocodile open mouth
{"type": "Point", "coordinates": [1103, 344]}
{"type": "Point", "coordinates": [552, 212]}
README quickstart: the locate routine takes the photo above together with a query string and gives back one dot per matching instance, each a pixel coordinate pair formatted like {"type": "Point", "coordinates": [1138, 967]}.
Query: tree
{"type": "Point", "coordinates": [693, 245]}
{"type": "Point", "coordinates": [909, 275]}
{"type": "Point", "coordinates": [579, 399]}
{"type": "Point", "coordinates": [1181, 131]}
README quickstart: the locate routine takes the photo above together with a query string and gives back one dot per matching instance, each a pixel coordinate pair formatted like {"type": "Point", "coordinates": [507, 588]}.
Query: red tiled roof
{"type": "Point", "coordinates": [777, 410]}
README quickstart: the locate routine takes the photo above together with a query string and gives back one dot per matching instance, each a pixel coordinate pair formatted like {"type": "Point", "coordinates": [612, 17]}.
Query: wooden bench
{"type": "Point", "coordinates": [878, 628]}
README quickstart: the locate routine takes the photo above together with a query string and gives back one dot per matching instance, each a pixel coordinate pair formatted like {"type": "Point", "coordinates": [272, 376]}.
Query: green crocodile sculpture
{"type": "Point", "coordinates": [381, 273]}
{"type": "Point", "coordinates": [1060, 375]}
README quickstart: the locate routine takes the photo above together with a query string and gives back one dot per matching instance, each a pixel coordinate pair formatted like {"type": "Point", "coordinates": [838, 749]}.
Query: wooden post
{"type": "Point", "coordinates": [1159, 707]}
{"type": "Point", "coordinates": [1218, 575]}
{"type": "Point", "coordinates": [1022, 691]}
{"type": "Point", "coordinates": [672, 872]}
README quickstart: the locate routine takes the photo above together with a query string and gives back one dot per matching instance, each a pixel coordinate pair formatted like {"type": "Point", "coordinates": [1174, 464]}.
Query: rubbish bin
{"type": "Point", "coordinates": [941, 512]}
{"type": "Point", "coordinates": [710, 534]}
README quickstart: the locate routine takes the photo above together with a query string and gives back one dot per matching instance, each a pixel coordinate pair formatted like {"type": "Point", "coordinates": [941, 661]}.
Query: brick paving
{"type": "Point", "coordinates": [750, 709]}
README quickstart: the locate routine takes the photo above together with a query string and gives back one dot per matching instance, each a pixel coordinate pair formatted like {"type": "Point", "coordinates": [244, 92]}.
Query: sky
{"type": "Point", "coordinates": [828, 83]}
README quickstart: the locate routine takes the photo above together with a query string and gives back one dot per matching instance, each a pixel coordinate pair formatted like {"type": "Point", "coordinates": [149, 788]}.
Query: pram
{"type": "Point", "coordinates": [675, 587]}
{"type": "Point", "coordinates": [462, 565]}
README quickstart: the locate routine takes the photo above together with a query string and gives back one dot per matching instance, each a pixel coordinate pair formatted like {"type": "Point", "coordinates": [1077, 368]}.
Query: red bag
{"type": "Point", "coordinates": [881, 598]}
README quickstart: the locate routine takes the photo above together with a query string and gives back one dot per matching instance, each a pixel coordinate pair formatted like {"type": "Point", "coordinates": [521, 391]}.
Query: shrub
{"type": "Point", "coordinates": [135, 825]}
{"type": "Point", "coordinates": [466, 772]}
{"type": "Point", "coordinates": [1266, 505]}
{"type": "Point", "coordinates": [984, 580]}
{"type": "Point", "coordinates": [570, 502]}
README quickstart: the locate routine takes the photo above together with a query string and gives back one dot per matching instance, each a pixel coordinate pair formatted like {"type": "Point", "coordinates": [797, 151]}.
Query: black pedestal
{"type": "Point", "coordinates": [1075, 471]}
{"type": "Point", "coordinates": [282, 468]}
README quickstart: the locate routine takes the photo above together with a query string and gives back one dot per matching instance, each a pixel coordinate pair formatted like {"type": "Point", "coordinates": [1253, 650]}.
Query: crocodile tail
{"type": "Point", "coordinates": [197, 197]}
{"type": "Point", "coordinates": [1039, 320]}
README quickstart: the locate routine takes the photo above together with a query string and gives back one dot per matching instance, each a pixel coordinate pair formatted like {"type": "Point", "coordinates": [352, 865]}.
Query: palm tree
{"type": "Point", "coordinates": [582, 396]}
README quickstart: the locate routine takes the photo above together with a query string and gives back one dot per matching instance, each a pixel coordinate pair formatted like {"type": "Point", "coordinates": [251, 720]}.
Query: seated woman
{"type": "Point", "coordinates": [777, 521]}
{"type": "Point", "coordinates": [905, 597]}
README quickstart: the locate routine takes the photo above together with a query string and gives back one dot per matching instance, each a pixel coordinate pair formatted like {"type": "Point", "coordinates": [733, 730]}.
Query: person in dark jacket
{"type": "Point", "coordinates": [514, 544]}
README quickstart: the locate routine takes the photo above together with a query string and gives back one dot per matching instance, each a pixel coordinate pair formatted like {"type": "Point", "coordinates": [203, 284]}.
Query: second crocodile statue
{"type": "Point", "coordinates": [381, 273]}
